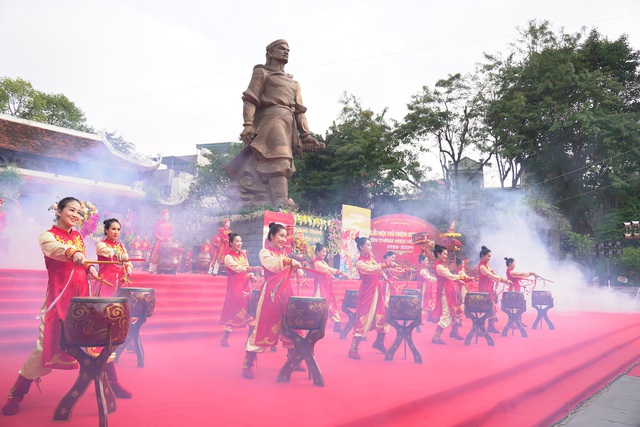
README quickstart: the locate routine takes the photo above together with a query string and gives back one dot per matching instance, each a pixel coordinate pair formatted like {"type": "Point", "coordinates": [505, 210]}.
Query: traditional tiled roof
{"type": "Point", "coordinates": [43, 140]}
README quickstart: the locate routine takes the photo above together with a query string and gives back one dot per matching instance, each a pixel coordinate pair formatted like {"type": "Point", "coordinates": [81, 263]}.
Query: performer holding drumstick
{"type": "Point", "coordinates": [110, 249]}
{"type": "Point", "coordinates": [64, 257]}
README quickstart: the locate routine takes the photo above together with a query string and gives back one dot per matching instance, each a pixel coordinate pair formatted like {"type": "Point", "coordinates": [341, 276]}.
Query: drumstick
{"type": "Point", "coordinates": [137, 259]}
{"type": "Point", "coordinates": [102, 262]}
{"type": "Point", "coordinates": [102, 280]}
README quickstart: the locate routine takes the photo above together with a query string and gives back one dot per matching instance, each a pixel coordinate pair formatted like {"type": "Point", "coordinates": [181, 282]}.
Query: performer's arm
{"type": "Point", "coordinates": [522, 274]}
{"type": "Point", "coordinates": [368, 267]}
{"type": "Point", "coordinates": [446, 273]}
{"type": "Point", "coordinates": [102, 249]}
{"type": "Point", "coordinates": [231, 263]}
{"type": "Point", "coordinates": [59, 251]}
{"type": "Point", "coordinates": [275, 263]}
{"type": "Point", "coordinates": [484, 271]}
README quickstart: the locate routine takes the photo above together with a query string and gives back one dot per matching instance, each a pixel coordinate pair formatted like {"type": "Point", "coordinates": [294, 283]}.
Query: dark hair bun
{"type": "Point", "coordinates": [271, 224]}
{"type": "Point", "coordinates": [484, 247]}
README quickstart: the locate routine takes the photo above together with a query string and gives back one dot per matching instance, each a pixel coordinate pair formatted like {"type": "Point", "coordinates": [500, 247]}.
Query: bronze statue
{"type": "Point", "coordinates": [275, 127]}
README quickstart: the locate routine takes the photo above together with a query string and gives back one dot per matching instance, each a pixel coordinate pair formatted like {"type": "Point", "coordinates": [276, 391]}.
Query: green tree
{"type": "Point", "coordinates": [363, 164]}
{"type": "Point", "coordinates": [211, 181]}
{"type": "Point", "coordinates": [567, 112]}
{"type": "Point", "coordinates": [447, 118]}
{"type": "Point", "coordinates": [18, 98]}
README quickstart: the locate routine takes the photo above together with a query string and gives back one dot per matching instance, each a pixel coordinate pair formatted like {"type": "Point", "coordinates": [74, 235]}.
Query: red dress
{"type": "Point", "coordinates": [234, 310]}
{"type": "Point", "coordinates": [66, 280]}
{"type": "Point", "coordinates": [485, 284]}
{"type": "Point", "coordinates": [220, 245]}
{"type": "Point", "coordinates": [273, 299]}
{"type": "Point", "coordinates": [108, 250]}
{"type": "Point", "coordinates": [446, 285]}
{"type": "Point", "coordinates": [428, 288]}
{"type": "Point", "coordinates": [371, 312]}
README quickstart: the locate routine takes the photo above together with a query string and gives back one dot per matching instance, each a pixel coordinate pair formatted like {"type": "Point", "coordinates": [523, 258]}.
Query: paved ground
{"type": "Point", "coordinates": [617, 406]}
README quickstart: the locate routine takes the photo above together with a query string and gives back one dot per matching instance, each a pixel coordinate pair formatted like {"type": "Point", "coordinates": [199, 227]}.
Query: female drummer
{"type": "Point", "coordinates": [64, 258]}
{"type": "Point", "coordinates": [112, 276]}
{"type": "Point", "coordinates": [276, 291]}
{"type": "Point", "coordinates": [486, 278]}
{"type": "Point", "coordinates": [426, 283]}
{"type": "Point", "coordinates": [324, 286]}
{"type": "Point", "coordinates": [515, 277]}
{"type": "Point", "coordinates": [370, 306]}
{"type": "Point", "coordinates": [447, 310]}
{"type": "Point", "coordinates": [239, 278]}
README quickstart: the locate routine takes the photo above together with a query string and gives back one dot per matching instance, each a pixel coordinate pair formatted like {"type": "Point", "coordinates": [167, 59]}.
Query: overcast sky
{"type": "Point", "coordinates": [167, 75]}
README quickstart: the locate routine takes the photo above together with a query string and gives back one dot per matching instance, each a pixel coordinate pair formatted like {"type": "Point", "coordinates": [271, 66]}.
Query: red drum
{"type": "Point", "coordinates": [477, 302]}
{"type": "Point", "coordinates": [89, 319]}
{"type": "Point", "coordinates": [512, 300]}
{"type": "Point", "coordinates": [541, 298]}
{"type": "Point", "coordinates": [306, 313]}
{"type": "Point", "coordinates": [350, 299]}
{"type": "Point", "coordinates": [142, 301]}
{"type": "Point", "coordinates": [170, 257]}
{"type": "Point", "coordinates": [405, 307]}
{"type": "Point", "coordinates": [202, 262]}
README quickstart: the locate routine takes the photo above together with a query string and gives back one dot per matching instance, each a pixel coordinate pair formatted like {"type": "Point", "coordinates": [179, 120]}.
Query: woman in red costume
{"type": "Point", "coordinates": [276, 291]}
{"type": "Point", "coordinates": [162, 233]}
{"type": "Point", "coordinates": [64, 258]}
{"type": "Point", "coordinates": [220, 247]}
{"type": "Point", "coordinates": [447, 310]}
{"type": "Point", "coordinates": [426, 284]}
{"type": "Point", "coordinates": [371, 312]}
{"type": "Point", "coordinates": [239, 278]}
{"type": "Point", "coordinates": [390, 270]}
{"type": "Point", "coordinates": [112, 250]}
{"type": "Point", "coordinates": [323, 287]}
{"type": "Point", "coordinates": [515, 277]}
{"type": "Point", "coordinates": [486, 279]}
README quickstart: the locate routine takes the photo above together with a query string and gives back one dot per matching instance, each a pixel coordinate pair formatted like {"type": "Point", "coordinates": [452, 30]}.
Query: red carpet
{"type": "Point", "coordinates": [188, 379]}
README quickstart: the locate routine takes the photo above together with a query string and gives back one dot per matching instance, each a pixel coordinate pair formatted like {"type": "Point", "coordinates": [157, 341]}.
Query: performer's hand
{"type": "Point", "coordinates": [92, 273]}
{"type": "Point", "coordinates": [296, 264]}
{"type": "Point", "coordinates": [78, 258]}
{"type": "Point", "coordinates": [248, 134]}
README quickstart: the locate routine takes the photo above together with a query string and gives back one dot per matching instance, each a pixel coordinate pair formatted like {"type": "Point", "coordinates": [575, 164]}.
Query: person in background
{"type": "Point", "coordinates": [323, 286]}
{"type": "Point", "coordinates": [371, 311]}
{"type": "Point", "coordinates": [220, 247]}
{"type": "Point", "coordinates": [278, 268]}
{"type": "Point", "coordinates": [64, 258]}
{"type": "Point", "coordinates": [162, 233]}
{"type": "Point", "coordinates": [426, 284]}
{"type": "Point", "coordinates": [239, 278]}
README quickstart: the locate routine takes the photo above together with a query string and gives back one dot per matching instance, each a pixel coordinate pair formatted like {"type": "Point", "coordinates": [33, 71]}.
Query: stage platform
{"type": "Point", "coordinates": [189, 379]}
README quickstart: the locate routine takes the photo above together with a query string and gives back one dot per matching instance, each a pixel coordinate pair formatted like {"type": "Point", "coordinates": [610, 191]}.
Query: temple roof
{"type": "Point", "coordinates": [54, 142]}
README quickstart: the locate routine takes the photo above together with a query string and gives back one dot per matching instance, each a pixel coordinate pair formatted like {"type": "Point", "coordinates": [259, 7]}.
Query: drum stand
{"type": "Point", "coordinates": [303, 349]}
{"type": "Point", "coordinates": [350, 323]}
{"type": "Point", "coordinates": [404, 333]}
{"type": "Point", "coordinates": [514, 321]}
{"type": "Point", "coordinates": [91, 369]}
{"type": "Point", "coordinates": [478, 328]}
{"type": "Point", "coordinates": [133, 337]}
{"type": "Point", "coordinates": [542, 314]}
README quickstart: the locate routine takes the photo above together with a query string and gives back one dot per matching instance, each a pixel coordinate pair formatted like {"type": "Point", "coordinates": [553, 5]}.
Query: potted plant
{"type": "Point", "coordinates": [10, 181]}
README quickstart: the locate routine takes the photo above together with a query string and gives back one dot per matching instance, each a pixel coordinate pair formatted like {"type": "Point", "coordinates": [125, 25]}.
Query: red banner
{"type": "Point", "coordinates": [393, 233]}
{"type": "Point", "coordinates": [281, 218]}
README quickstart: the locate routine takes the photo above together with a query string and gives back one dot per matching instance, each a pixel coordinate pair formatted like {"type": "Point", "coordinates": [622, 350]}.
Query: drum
{"type": "Point", "coordinates": [170, 256]}
{"type": "Point", "coordinates": [89, 319]}
{"type": "Point", "coordinates": [416, 292]}
{"type": "Point", "coordinates": [512, 301]}
{"type": "Point", "coordinates": [306, 312]}
{"type": "Point", "coordinates": [142, 301]}
{"type": "Point", "coordinates": [350, 299]}
{"type": "Point", "coordinates": [202, 262]}
{"type": "Point", "coordinates": [541, 298]}
{"type": "Point", "coordinates": [477, 303]}
{"type": "Point", "coordinates": [405, 307]}
{"type": "Point", "coordinates": [253, 302]}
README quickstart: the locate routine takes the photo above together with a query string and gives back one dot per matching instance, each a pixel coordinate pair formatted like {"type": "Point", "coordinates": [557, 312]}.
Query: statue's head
{"type": "Point", "coordinates": [277, 51]}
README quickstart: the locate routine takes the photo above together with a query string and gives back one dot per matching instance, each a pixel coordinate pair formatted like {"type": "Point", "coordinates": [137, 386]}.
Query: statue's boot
{"type": "Point", "coordinates": [280, 192]}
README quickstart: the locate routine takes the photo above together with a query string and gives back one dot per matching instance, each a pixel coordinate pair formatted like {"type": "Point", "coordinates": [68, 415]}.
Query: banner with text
{"type": "Point", "coordinates": [393, 233]}
{"type": "Point", "coordinates": [356, 222]}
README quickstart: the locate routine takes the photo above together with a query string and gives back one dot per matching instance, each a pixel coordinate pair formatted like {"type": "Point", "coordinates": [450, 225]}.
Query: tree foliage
{"type": "Point", "coordinates": [566, 110]}
{"type": "Point", "coordinates": [211, 181]}
{"type": "Point", "coordinates": [18, 98]}
{"type": "Point", "coordinates": [362, 164]}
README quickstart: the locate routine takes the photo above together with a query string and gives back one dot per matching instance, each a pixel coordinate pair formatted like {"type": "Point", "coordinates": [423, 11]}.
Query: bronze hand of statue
{"type": "Point", "coordinates": [310, 144]}
{"type": "Point", "coordinates": [248, 134]}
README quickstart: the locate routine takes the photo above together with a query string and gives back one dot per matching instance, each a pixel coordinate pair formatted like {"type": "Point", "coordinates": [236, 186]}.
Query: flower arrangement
{"type": "Point", "coordinates": [333, 239]}
{"type": "Point", "coordinates": [88, 218]}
